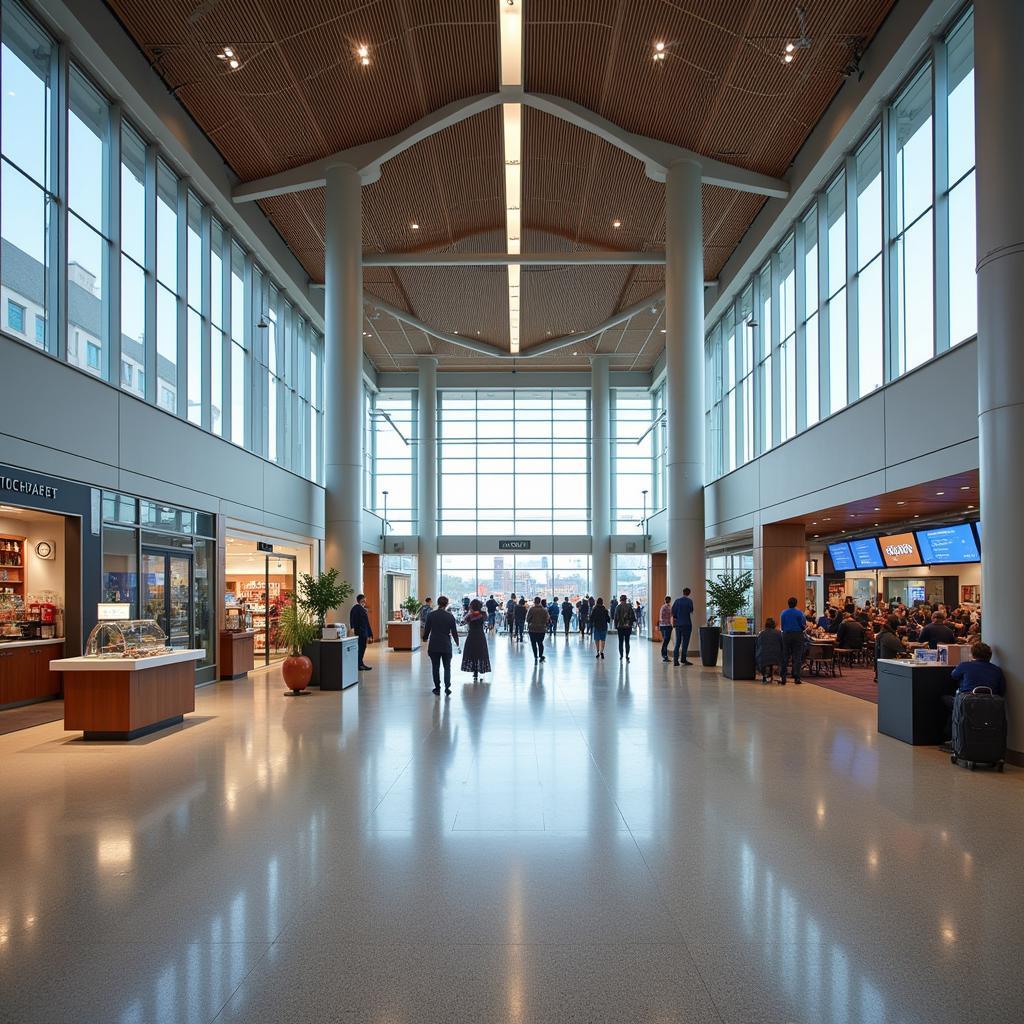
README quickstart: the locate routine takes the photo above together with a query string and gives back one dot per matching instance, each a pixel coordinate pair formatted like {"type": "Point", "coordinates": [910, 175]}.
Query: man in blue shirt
{"type": "Point", "coordinates": [793, 621]}
{"type": "Point", "coordinates": [682, 612]}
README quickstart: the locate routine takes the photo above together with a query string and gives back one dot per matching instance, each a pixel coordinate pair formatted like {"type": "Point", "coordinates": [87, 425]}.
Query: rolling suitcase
{"type": "Point", "coordinates": [979, 729]}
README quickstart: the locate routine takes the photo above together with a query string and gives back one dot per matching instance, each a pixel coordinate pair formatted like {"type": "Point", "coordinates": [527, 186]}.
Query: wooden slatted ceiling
{"type": "Point", "coordinates": [301, 94]}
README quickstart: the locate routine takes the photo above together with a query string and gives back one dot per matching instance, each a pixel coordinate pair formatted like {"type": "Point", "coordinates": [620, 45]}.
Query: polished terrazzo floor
{"type": "Point", "coordinates": [584, 841]}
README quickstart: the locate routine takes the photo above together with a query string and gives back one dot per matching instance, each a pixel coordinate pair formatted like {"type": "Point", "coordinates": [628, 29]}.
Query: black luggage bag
{"type": "Point", "coordinates": [979, 729]}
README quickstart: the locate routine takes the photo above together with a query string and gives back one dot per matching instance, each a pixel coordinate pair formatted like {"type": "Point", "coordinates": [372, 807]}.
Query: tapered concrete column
{"type": "Point", "coordinates": [343, 374]}
{"type": "Point", "coordinates": [684, 382]}
{"type": "Point", "coordinates": [600, 477]}
{"type": "Point", "coordinates": [999, 140]}
{"type": "Point", "coordinates": [426, 479]}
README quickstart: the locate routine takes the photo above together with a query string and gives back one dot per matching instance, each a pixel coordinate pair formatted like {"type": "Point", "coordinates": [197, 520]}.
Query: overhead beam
{"type": "Point", "coordinates": [545, 347]}
{"type": "Point", "coordinates": [503, 259]}
{"type": "Point", "coordinates": [657, 156]}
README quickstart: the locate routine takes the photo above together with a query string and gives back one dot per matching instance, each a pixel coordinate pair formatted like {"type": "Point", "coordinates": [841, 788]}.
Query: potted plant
{"type": "Point", "coordinates": [319, 594]}
{"type": "Point", "coordinates": [412, 606]}
{"type": "Point", "coordinates": [296, 629]}
{"type": "Point", "coordinates": [726, 596]}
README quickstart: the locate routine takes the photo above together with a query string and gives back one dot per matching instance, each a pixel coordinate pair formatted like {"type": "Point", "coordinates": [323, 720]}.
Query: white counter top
{"type": "Point", "coordinates": [10, 644]}
{"type": "Point", "coordinates": [910, 663]}
{"type": "Point", "coordinates": [124, 664]}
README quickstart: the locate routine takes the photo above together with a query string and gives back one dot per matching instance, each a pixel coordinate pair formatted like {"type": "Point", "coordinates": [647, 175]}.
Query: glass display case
{"type": "Point", "coordinates": [131, 638]}
{"type": "Point", "coordinates": [237, 619]}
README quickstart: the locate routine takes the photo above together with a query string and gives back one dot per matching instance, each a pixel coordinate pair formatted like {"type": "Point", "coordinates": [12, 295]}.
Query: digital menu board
{"type": "Point", "coordinates": [948, 545]}
{"type": "Point", "coordinates": [900, 549]}
{"type": "Point", "coordinates": [866, 554]}
{"type": "Point", "coordinates": [842, 558]}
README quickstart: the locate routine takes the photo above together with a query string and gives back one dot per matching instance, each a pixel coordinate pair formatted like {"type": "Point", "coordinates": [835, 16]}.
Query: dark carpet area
{"type": "Point", "coordinates": [855, 682]}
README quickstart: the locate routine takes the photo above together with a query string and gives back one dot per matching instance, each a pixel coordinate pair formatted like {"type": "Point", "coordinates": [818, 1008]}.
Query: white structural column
{"type": "Point", "coordinates": [426, 478]}
{"type": "Point", "coordinates": [684, 382]}
{"type": "Point", "coordinates": [999, 136]}
{"type": "Point", "coordinates": [600, 477]}
{"type": "Point", "coordinates": [343, 374]}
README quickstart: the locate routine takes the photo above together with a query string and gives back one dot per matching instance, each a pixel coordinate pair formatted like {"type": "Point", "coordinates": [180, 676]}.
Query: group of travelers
{"type": "Point", "coordinates": [676, 617]}
{"type": "Point", "coordinates": [886, 629]}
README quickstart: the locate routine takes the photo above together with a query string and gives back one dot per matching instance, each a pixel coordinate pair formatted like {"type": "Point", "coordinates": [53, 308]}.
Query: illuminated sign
{"type": "Point", "coordinates": [900, 549]}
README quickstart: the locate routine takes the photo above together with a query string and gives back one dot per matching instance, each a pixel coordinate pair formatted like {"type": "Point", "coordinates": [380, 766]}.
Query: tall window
{"type": "Point", "coordinates": [217, 309]}
{"type": "Point", "coordinates": [167, 285]}
{"type": "Point", "coordinates": [745, 371]}
{"type": "Point", "coordinates": [27, 173]}
{"type": "Point", "coordinates": [835, 219]}
{"type": "Point", "coordinates": [870, 339]}
{"type": "Point", "coordinates": [239, 338]}
{"type": "Point", "coordinates": [963, 286]}
{"type": "Point", "coordinates": [546, 576]}
{"type": "Point", "coordinates": [197, 287]}
{"type": "Point", "coordinates": [912, 244]}
{"type": "Point", "coordinates": [729, 388]}
{"type": "Point", "coordinates": [133, 261]}
{"type": "Point", "coordinates": [88, 245]}
{"type": "Point", "coordinates": [660, 438]}
{"type": "Point", "coordinates": [514, 462]}
{"type": "Point", "coordinates": [632, 459]}
{"type": "Point", "coordinates": [713, 401]}
{"type": "Point", "coordinates": [786, 299]}
{"type": "Point", "coordinates": [764, 333]}
{"type": "Point", "coordinates": [810, 316]}
{"type": "Point", "coordinates": [391, 436]}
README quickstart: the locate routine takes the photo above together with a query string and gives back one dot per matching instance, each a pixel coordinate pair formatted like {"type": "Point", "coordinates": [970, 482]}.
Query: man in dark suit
{"type": "Point", "coordinates": [359, 623]}
{"type": "Point", "coordinates": [440, 630]}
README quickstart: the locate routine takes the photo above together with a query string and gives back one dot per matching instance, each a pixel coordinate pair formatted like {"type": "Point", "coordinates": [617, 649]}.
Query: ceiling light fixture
{"type": "Point", "coordinates": [965, 488]}
{"type": "Point", "coordinates": [901, 503]}
{"type": "Point", "coordinates": [939, 494]}
{"type": "Point", "coordinates": [414, 226]}
{"type": "Point", "coordinates": [659, 51]}
{"type": "Point", "coordinates": [616, 223]}
{"type": "Point", "coordinates": [229, 56]}
{"type": "Point", "coordinates": [510, 23]}
{"type": "Point", "coordinates": [363, 53]}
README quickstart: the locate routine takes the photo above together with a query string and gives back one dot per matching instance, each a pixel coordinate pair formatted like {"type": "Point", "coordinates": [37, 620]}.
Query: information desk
{"type": "Point", "coordinates": [236, 655]}
{"type": "Point", "coordinates": [738, 656]}
{"type": "Point", "coordinates": [910, 706]}
{"type": "Point", "coordinates": [26, 675]}
{"type": "Point", "coordinates": [122, 698]}
{"type": "Point", "coordinates": [336, 665]}
{"type": "Point", "coordinates": [404, 636]}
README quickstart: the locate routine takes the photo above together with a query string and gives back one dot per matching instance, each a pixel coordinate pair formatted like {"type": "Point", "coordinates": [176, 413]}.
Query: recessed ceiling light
{"type": "Point", "coordinates": [616, 223]}
{"type": "Point", "coordinates": [790, 47]}
{"type": "Point", "coordinates": [877, 509]}
{"type": "Point", "coordinates": [917, 515]}
{"type": "Point", "coordinates": [901, 503]}
{"type": "Point", "coordinates": [414, 226]}
{"type": "Point", "coordinates": [788, 59]}
{"type": "Point", "coordinates": [939, 494]}
{"type": "Point", "coordinates": [663, 331]}
{"type": "Point", "coordinates": [363, 53]}
{"type": "Point", "coordinates": [575, 353]}
{"type": "Point", "coordinates": [827, 519]}
{"type": "Point", "coordinates": [969, 507]}
{"type": "Point", "coordinates": [815, 523]}
{"type": "Point", "coordinates": [233, 63]}
{"type": "Point", "coordinates": [659, 51]}
{"type": "Point", "coordinates": [817, 535]}
{"type": "Point", "coordinates": [965, 488]}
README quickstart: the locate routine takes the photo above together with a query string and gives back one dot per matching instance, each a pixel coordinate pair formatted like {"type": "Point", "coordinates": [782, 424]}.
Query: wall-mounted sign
{"type": "Point", "coordinates": [16, 485]}
{"type": "Point", "coordinates": [513, 545]}
{"type": "Point", "coordinates": [113, 612]}
{"type": "Point", "coordinates": [262, 545]}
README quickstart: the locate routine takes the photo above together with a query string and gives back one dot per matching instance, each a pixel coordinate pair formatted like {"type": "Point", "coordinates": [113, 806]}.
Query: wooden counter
{"type": "Point", "coordinates": [122, 698]}
{"type": "Point", "coordinates": [404, 636]}
{"type": "Point", "coordinates": [25, 672]}
{"type": "Point", "coordinates": [235, 653]}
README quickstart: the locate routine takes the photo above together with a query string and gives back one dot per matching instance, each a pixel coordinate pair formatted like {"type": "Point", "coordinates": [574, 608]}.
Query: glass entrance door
{"type": "Point", "coordinates": [167, 593]}
{"type": "Point", "coordinates": [279, 586]}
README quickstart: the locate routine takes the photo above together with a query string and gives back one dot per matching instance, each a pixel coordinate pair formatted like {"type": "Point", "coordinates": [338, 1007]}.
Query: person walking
{"type": "Point", "coordinates": [440, 630]}
{"type": "Point", "coordinates": [665, 625]}
{"type": "Point", "coordinates": [510, 615]}
{"type": "Point", "coordinates": [425, 609]}
{"type": "Point", "coordinates": [492, 612]}
{"type": "Point", "coordinates": [476, 658]}
{"type": "Point", "coordinates": [359, 623]}
{"type": "Point", "coordinates": [638, 610]}
{"type": "Point", "coordinates": [682, 619]}
{"type": "Point", "coordinates": [583, 616]}
{"type": "Point", "coordinates": [792, 621]}
{"type": "Point", "coordinates": [520, 619]}
{"type": "Point", "coordinates": [536, 626]}
{"type": "Point", "coordinates": [599, 620]}
{"type": "Point", "coordinates": [625, 620]}
{"type": "Point", "coordinates": [553, 616]}
{"type": "Point", "coordinates": [567, 614]}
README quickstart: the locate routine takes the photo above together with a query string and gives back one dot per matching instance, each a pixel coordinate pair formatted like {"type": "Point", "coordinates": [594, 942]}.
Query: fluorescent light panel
{"type": "Point", "coordinates": [510, 20]}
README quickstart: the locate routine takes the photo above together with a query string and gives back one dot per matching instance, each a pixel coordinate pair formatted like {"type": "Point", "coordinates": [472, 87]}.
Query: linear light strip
{"type": "Point", "coordinates": [510, 20]}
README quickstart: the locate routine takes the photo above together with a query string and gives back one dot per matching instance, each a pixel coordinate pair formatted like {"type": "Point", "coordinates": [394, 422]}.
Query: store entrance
{"type": "Point", "coordinates": [167, 593]}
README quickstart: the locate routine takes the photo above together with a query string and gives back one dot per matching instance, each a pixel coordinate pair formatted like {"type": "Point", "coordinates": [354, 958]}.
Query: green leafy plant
{"type": "Point", "coordinates": [727, 595]}
{"type": "Point", "coordinates": [412, 606]}
{"type": "Point", "coordinates": [319, 594]}
{"type": "Point", "coordinates": [296, 627]}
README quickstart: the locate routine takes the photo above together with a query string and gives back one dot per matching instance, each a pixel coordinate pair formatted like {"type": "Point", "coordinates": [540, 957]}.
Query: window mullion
{"type": "Point", "coordinates": [890, 265]}
{"type": "Point", "coordinates": [57, 283]}
{"type": "Point", "coordinates": [181, 231]}
{"type": "Point", "coordinates": [824, 311]}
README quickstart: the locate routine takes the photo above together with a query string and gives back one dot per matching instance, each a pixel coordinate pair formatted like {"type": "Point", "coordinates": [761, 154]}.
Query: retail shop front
{"type": "Point", "coordinates": [261, 572]}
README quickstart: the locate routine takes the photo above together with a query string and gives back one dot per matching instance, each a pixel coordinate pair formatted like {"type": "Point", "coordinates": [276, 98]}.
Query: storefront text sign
{"type": "Point", "coordinates": [513, 545]}
{"type": "Point", "coordinates": [15, 485]}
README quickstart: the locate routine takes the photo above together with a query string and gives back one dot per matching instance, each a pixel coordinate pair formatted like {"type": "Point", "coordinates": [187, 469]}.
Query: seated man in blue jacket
{"type": "Point", "coordinates": [969, 674]}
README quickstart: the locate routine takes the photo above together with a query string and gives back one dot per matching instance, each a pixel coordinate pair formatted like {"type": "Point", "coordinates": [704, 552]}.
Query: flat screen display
{"type": "Point", "coordinates": [900, 549]}
{"type": "Point", "coordinates": [841, 557]}
{"type": "Point", "coordinates": [866, 553]}
{"type": "Point", "coordinates": [948, 545]}
{"type": "Point", "coordinates": [977, 526]}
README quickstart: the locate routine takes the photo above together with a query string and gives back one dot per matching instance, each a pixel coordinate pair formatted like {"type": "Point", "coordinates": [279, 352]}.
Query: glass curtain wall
{"type": "Point", "coordinates": [514, 462]}
{"type": "Point", "coordinates": [633, 447]}
{"type": "Point", "coordinates": [876, 277]}
{"type": "Point", "coordinates": [545, 576]}
{"type": "Point", "coordinates": [160, 299]}
{"type": "Point", "coordinates": [389, 457]}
